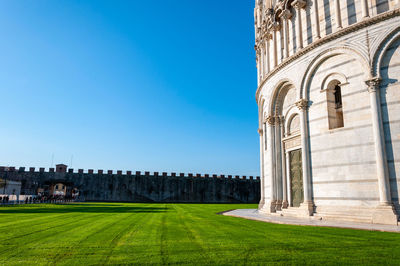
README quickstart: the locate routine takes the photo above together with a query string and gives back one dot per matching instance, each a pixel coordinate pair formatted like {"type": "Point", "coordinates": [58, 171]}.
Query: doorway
{"type": "Point", "coordinates": [296, 178]}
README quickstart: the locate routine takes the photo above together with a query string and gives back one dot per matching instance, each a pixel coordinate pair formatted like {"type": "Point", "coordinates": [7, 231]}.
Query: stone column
{"type": "Point", "coordinates": [258, 12]}
{"type": "Point", "coordinates": [338, 15]}
{"type": "Point", "coordinates": [271, 158]}
{"type": "Point", "coordinates": [281, 43]}
{"type": "Point", "coordinates": [285, 16]}
{"type": "Point", "coordinates": [288, 178]}
{"type": "Point", "coordinates": [316, 20]}
{"type": "Point", "coordinates": [265, 157]}
{"type": "Point", "coordinates": [258, 66]}
{"type": "Point", "coordinates": [299, 5]}
{"type": "Point", "coordinates": [278, 164]}
{"type": "Point", "coordinates": [307, 205]}
{"type": "Point", "coordinates": [283, 161]}
{"type": "Point", "coordinates": [364, 8]}
{"type": "Point", "coordinates": [268, 37]}
{"type": "Point", "coordinates": [275, 28]}
{"type": "Point", "coordinates": [262, 198]}
{"type": "Point", "coordinates": [262, 55]}
{"type": "Point", "coordinates": [385, 211]}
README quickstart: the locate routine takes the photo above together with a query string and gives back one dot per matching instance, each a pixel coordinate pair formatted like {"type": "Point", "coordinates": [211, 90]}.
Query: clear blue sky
{"type": "Point", "coordinates": [165, 85]}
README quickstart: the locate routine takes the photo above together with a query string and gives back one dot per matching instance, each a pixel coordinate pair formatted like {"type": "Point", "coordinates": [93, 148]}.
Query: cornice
{"type": "Point", "coordinates": [352, 28]}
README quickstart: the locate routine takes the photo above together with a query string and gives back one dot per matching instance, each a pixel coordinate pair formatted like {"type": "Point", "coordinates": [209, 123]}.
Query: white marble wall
{"type": "Point", "coordinates": [343, 161]}
{"type": "Point", "coordinates": [390, 104]}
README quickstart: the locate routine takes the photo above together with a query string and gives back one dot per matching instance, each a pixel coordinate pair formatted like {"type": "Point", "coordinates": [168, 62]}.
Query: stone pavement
{"type": "Point", "coordinates": [253, 214]}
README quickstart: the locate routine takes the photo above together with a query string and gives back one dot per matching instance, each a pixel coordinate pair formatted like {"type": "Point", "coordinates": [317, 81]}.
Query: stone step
{"type": "Point", "coordinates": [341, 217]}
{"type": "Point", "coordinates": [293, 212]}
{"type": "Point", "coordinates": [342, 210]}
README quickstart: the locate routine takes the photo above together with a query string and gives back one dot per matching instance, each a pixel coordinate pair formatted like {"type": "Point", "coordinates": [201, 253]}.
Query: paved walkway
{"type": "Point", "coordinates": [253, 214]}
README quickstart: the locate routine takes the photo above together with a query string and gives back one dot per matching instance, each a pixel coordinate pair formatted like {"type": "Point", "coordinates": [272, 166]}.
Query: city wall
{"type": "Point", "coordinates": [141, 187]}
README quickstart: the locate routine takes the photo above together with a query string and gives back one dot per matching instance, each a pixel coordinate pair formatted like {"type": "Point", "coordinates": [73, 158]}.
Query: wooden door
{"type": "Point", "coordinates": [296, 178]}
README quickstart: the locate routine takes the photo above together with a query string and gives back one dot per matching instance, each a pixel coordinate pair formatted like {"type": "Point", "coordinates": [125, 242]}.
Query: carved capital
{"type": "Point", "coordinates": [275, 26]}
{"type": "Point", "coordinates": [302, 104]}
{"type": "Point", "coordinates": [280, 119]}
{"type": "Point", "coordinates": [286, 14]}
{"type": "Point", "coordinates": [270, 120]}
{"type": "Point", "coordinates": [299, 4]}
{"type": "Point", "coordinates": [373, 84]}
{"type": "Point", "coordinates": [267, 36]}
{"type": "Point", "coordinates": [269, 12]}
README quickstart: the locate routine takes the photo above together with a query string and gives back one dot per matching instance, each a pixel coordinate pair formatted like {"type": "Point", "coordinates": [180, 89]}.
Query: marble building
{"type": "Point", "coordinates": [329, 108]}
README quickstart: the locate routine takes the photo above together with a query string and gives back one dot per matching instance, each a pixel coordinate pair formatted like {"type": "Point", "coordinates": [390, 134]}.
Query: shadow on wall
{"type": "Point", "coordinates": [389, 61]}
{"type": "Point", "coordinates": [351, 9]}
{"type": "Point", "coordinates": [327, 12]}
{"type": "Point", "coordinates": [382, 6]}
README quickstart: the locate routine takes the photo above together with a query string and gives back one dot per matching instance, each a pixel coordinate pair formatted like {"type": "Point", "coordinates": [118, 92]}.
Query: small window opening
{"type": "Point", "coordinates": [338, 97]}
{"type": "Point", "coordinates": [335, 105]}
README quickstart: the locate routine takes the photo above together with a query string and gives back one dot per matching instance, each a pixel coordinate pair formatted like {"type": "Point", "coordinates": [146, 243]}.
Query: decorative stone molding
{"type": "Point", "coordinates": [275, 26]}
{"type": "Point", "coordinates": [298, 4]}
{"type": "Point", "coordinates": [279, 120]}
{"type": "Point", "coordinates": [286, 14]}
{"type": "Point", "coordinates": [270, 120]}
{"type": "Point", "coordinates": [269, 12]}
{"type": "Point", "coordinates": [267, 36]}
{"type": "Point", "coordinates": [373, 84]}
{"type": "Point", "coordinates": [319, 42]}
{"type": "Point", "coordinates": [342, 79]}
{"type": "Point", "coordinates": [302, 104]}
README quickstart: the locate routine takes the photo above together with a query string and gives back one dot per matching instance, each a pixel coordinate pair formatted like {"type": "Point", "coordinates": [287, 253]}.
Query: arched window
{"type": "Point", "coordinates": [294, 125]}
{"type": "Point", "coordinates": [335, 106]}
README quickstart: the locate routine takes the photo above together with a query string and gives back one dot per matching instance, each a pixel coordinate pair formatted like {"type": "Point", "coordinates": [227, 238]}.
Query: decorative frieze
{"type": "Point", "coordinates": [292, 143]}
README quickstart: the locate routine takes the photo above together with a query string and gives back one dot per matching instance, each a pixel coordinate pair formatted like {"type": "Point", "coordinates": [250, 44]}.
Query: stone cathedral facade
{"type": "Point", "coordinates": [329, 108]}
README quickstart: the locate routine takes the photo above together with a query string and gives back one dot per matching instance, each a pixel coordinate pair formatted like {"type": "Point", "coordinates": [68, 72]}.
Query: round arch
{"type": "Point", "coordinates": [331, 77]}
{"type": "Point", "coordinates": [381, 50]}
{"type": "Point", "coordinates": [322, 57]}
{"type": "Point", "coordinates": [275, 94]}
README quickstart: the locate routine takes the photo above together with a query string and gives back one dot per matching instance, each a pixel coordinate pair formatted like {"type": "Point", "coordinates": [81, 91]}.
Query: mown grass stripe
{"type": "Point", "coordinates": [143, 234]}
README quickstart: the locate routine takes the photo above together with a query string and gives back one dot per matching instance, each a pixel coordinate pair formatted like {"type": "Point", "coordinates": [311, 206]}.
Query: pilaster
{"type": "Point", "coordinates": [385, 212]}
{"type": "Point", "coordinates": [270, 206]}
{"type": "Point", "coordinates": [283, 163]}
{"type": "Point", "coordinates": [285, 16]}
{"type": "Point", "coordinates": [299, 5]}
{"type": "Point", "coordinates": [278, 164]}
{"type": "Point", "coordinates": [307, 205]}
{"type": "Point", "coordinates": [262, 198]}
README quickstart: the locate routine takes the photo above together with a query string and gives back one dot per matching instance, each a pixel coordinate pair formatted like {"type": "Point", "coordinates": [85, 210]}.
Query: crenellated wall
{"type": "Point", "coordinates": [142, 187]}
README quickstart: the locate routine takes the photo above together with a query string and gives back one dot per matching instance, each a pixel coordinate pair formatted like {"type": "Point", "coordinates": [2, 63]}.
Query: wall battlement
{"type": "Point", "coordinates": [120, 172]}
{"type": "Point", "coordinates": [139, 186]}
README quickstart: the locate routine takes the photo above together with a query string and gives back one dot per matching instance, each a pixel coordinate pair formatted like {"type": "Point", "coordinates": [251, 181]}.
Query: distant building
{"type": "Point", "coordinates": [61, 168]}
{"type": "Point", "coordinates": [58, 189]}
{"type": "Point", "coordinates": [9, 187]}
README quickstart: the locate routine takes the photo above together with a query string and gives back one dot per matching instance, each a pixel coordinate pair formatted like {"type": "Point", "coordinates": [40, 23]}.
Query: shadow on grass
{"type": "Point", "coordinates": [83, 208]}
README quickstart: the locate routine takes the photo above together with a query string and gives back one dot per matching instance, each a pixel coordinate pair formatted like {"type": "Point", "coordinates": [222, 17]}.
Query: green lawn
{"type": "Point", "coordinates": [125, 233]}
